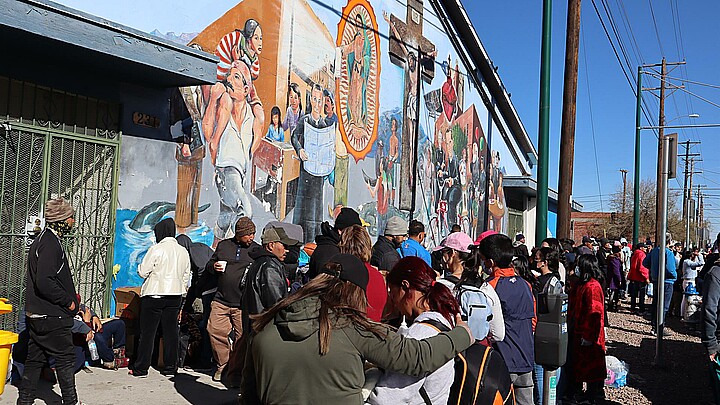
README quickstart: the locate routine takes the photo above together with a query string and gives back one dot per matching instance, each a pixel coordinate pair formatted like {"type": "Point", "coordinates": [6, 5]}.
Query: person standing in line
{"type": "Point", "coordinates": [587, 337]}
{"type": "Point", "coordinates": [412, 246]}
{"type": "Point", "coordinates": [329, 237]}
{"type": "Point", "coordinates": [518, 308]}
{"type": "Point", "coordinates": [652, 261]}
{"type": "Point", "coordinates": [693, 259]}
{"type": "Point", "coordinates": [384, 252]}
{"type": "Point", "coordinates": [520, 245]}
{"type": "Point", "coordinates": [355, 241]}
{"type": "Point", "coordinates": [265, 282]}
{"type": "Point", "coordinates": [587, 246]}
{"type": "Point", "coordinates": [639, 277]}
{"type": "Point", "coordinates": [166, 270]}
{"type": "Point", "coordinates": [614, 277]}
{"type": "Point", "coordinates": [229, 263]}
{"type": "Point", "coordinates": [50, 305]}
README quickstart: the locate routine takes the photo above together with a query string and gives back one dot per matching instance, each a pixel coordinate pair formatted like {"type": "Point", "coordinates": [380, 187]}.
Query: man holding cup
{"type": "Point", "coordinates": [229, 263]}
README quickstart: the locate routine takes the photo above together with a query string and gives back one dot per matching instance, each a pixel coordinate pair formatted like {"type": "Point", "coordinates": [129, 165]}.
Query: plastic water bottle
{"type": "Point", "coordinates": [403, 329]}
{"type": "Point", "coordinates": [93, 350]}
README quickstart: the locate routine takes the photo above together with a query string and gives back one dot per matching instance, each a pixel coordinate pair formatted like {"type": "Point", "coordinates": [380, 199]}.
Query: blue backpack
{"type": "Point", "coordinates": [474, 309]}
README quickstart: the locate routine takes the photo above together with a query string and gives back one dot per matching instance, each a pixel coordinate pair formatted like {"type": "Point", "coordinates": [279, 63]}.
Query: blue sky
{"type": "Point", "coordinates": [510, 30]}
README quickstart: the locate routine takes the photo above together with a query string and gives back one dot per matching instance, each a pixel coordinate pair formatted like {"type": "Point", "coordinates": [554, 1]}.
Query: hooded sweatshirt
{"type": "Point", "coordinates": [327, 247]}
{"type": "Point", "coordinates": [284, 365]}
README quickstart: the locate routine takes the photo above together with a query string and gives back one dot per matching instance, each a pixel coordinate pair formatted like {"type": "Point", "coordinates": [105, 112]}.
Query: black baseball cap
{"type": "Point", "coordinates": [352, 270]}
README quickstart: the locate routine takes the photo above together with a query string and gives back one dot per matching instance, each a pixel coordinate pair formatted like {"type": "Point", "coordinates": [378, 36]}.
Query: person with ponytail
{"type": "Point", "coordinates": [311, 347]}
{"type": "Point", "coordinates": [426, 302]}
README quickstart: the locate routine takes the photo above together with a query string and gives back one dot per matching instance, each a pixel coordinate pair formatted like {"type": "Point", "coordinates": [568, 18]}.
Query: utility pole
{"type": "Point", "coordinates": [624, 173]}
{"type": "Point", "coordinates": [687, 191]}
{"type": "Point", "coordinates": [567, 128]}
{"type": "Point", "coordinates": [541, 210]}
{"type": "Point", "coordinates": [636, 172]}
{"type": "Point", "coordinates": [661, 218]}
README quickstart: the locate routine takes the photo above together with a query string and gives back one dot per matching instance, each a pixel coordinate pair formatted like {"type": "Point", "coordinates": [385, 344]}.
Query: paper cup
{"type": "Point", "coordinates": [222, 264]}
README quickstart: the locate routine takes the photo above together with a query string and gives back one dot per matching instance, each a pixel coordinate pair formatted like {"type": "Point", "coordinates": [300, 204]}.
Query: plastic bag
{"type": "Point", "coordinates": [617, 372]}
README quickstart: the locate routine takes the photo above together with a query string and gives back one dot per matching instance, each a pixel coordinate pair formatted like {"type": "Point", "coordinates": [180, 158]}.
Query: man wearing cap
{"type": "Point", "coordinates": [384, 251]}
{"type": "Point", "coordinates": [412, 246]}
{"type": "Point", "coordinates": [587, 246]}
{"type": "Point", "coordinates": [50, 304]}
{"type": "Point", "coordinates": [328, 239]}
{"type": "Point", "coordinates": [652, 261]}
{"type": "Point", "coordinates": [520, 246]}
{"type": "Point", "coordinates": [265, 283]}
{"type": "Point", "coordinates": [229, 263]}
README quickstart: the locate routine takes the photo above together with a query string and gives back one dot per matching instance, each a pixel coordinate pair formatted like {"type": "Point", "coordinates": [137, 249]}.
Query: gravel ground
{"type": "Point", "coordinates": [682, 380]}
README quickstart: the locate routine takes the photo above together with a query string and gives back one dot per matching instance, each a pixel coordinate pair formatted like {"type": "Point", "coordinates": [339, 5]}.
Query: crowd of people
{"type": "Point", "coordinates": [343, 319]}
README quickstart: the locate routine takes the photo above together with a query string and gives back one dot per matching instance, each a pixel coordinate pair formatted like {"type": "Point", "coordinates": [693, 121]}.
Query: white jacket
{"type": "Point", "coordinates": [165, 268]}
{"type": "Point", "coordinates": [396, 388]}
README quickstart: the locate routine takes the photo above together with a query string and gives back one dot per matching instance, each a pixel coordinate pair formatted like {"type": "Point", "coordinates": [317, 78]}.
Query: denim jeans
{"type": "Point", "coordinates": [539, 380]}
{"type": "Point", "coordinates": [112, 332]}
{"type": "Point", "coordinates": [234, 201]}
{"type": "Point", "coordinates": [668, 291]}
{"type": "Point", "coordinates": [638, 290]}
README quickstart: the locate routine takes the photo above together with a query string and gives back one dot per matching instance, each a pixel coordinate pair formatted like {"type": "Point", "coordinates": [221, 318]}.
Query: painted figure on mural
{"type": "Point", "coordinates": [244, 45]}
{"type": "Point", "coordinates": [449, 93]}
{"type": "Point", "coordinates": [295, 110]}
{"type": "Point", "coordinates": [189, 153]}
{"type": "Point", "coordinates": [440, 161]}
{"type": "Point", "coordinates": [392, 158]}
{"type": "Point", "coordinates": [477, 186]}
{"type": "Point", "coordinates": [275, 130]}
{"type": "Point", "coordinates": [357, 56]}
{"type": "Point", "coordinates": [315, 141]}
{"type": "Point", "coordinates": [452, 192]}
{"type": "Point", "coordinates": [496, 197]}
{"type": "Point", "coordinates": [229, 142]}
{"type": "Point", "coordinates": [378, 187]}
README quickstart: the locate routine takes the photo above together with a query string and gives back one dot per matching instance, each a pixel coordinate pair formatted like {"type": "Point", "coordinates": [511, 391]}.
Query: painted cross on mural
{"type": "Point", "coordinates": [416, 55]}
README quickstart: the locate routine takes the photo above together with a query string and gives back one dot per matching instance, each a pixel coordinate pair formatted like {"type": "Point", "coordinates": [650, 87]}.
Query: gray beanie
{"type": "Point", "coordinates": [396, 226]}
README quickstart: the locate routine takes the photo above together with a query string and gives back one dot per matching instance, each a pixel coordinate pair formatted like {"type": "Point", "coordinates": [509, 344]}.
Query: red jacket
{"type": "Point", "coordinates": [638, 272]}
{"type": "Point", "coordinates": [586, 309]}
{"type": "Point", "coordinates": [377, 293]}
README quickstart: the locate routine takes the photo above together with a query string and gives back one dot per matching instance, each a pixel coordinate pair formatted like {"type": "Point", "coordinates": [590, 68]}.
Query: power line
{"type": "Point", "coordinates": [592, 120]}
{"type": "Point", "coordinates": [657, 32]}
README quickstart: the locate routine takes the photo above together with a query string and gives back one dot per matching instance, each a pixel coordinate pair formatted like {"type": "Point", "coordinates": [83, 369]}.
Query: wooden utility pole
{"type": "Point", "coordinates": [624, 173]}
{"type": "Point", "coordinates": [567, 132]}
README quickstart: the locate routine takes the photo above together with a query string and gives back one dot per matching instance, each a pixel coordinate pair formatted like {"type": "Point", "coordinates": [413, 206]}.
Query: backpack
{"type": "Point", "coordinates": [474, 309]}
{"type": "Point", "coordinates": [481, 376]}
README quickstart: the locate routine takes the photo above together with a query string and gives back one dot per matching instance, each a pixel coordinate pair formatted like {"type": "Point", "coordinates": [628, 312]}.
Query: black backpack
{"type": "Point", "coordinates": [481, 376]}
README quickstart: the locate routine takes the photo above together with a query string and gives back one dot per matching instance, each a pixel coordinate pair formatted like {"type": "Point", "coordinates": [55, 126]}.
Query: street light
{"type": "Point", "coordinates": [693, 116]}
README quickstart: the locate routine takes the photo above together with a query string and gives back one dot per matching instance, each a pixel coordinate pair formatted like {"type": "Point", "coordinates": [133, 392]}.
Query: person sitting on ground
{"type": "Point", "coordinates": [316, 341]}
{"type": "Point", "coordinates": [355, 241]}
{"type": "Point", "coordinates": [328, 239]}
{"type": "Point", "coordinates": [420, 299]}
{"type": "Point", "coordinates": [109, 336]}
{"type": "Point", "coordinates": [384, 252]}
{"type": "Point", "coordinates": [265, 281]}
{"type": "Point", "coordinates": [412, 246]}
{"type": "Point", "coordinates": [586, 320]}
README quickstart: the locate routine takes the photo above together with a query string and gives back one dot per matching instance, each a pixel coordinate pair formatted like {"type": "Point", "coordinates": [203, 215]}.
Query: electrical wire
{"type": "Point", "coordinates": [657, 32]}
{"type": "Point", "coordinates": [592, 120]}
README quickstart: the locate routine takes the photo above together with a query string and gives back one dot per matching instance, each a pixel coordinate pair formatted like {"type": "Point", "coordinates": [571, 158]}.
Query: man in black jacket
{"type": "Point", "coordinates": [384, 251]}
{"type": "Point", "coordinates": [229, 263]}
{"type": "Point", "coordinates": [327, 241]}
{"type": "Point", "coordinates": [50, 305]}
{"type": "Point", "coordinates": [265, 282]}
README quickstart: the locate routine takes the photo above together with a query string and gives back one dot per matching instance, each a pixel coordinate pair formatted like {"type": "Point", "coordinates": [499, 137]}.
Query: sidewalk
{"type": "Point", "coordinates": [106, 387]}
{"type": "Point", "coordinates": [684, 378]}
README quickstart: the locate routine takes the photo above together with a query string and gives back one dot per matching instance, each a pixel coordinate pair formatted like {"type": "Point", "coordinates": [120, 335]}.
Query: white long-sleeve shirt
{"type": "Point", "coordinates": [689, 268]}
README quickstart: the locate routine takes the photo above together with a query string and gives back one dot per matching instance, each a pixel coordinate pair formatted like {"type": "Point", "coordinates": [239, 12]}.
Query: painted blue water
{"type": "Point", "coordinates": [131, 246]}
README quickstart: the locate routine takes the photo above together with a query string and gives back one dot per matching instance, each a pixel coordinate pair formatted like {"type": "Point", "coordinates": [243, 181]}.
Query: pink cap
{"type": "Point", "coordinates": [484, 235]}
{"type": "Point", "coordinates": [457, 241]}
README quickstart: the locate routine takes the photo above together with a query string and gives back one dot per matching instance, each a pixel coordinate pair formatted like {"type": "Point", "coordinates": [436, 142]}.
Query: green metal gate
{"type": "Point", "coordinates": [54, 144]}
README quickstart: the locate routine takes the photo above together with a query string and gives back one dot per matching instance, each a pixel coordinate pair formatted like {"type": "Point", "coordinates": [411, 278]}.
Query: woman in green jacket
{"type": "Point", "coordinates": [311, 347]}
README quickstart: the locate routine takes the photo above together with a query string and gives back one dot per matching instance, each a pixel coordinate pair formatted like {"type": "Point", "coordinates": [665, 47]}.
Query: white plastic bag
{"type": "Point", "coordinates": [617, 372]}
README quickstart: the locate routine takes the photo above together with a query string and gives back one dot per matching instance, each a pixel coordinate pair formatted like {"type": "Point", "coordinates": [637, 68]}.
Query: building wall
{"type": "Point", "coordinates": [349, 49]}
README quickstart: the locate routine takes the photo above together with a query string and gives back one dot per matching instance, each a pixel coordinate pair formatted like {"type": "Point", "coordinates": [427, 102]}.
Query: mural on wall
{"type": "Point", "coordinates": [301, 87]}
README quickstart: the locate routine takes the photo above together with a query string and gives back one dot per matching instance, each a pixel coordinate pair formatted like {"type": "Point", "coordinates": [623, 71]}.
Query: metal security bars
{"type": "Point", "coordinates": [57, 144]}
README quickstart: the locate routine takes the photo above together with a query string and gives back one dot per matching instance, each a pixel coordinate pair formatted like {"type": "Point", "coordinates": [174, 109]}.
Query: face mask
{"type": "Point", "coordinates": [62, 228]}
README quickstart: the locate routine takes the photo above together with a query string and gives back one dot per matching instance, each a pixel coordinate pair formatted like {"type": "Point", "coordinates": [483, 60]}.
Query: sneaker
{"type": "Point", "coordinates": [138, 374]}
{"type": "Point", "coordinates": [109, 365]}
{"type": "Point", "coordinates": [217, 376]}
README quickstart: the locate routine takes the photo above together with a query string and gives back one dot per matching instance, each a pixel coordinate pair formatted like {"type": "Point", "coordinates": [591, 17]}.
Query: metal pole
{"type": "Point", "coordinates": [662, 229]}
{"type": "Point", "coordinates": [567, 131]}
{"type": "Point", "coordinates": [549, 386]}
{"type": "Point", "coordinates": [541, 210]}
{"type": "Point", "coordinates": [689, 197]}
{"type": "Point", "coordinates": [661, 223]}
{"type": "Point", "coordinates": [636, 197]}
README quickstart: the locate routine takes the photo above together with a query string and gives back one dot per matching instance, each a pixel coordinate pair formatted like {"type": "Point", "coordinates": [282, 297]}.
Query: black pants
{"type": "Point", "coordinates": [49, 337]}
{"type": "Point", "coordinates": [154, 312]}
{"type": "Point", "coordinates": [638, 290]}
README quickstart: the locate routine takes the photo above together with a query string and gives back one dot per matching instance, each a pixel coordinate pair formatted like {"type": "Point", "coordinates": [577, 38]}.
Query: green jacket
{"type": "Point", "coordinates": [284, 365]}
